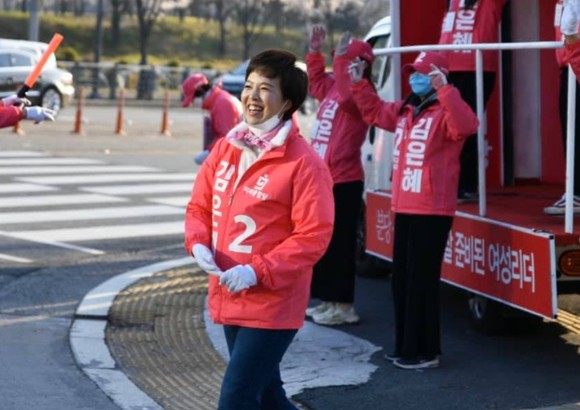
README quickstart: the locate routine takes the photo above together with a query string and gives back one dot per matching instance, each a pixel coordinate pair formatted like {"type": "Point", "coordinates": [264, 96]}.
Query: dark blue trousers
{"type": "Point", "coordinates": [252, 380]}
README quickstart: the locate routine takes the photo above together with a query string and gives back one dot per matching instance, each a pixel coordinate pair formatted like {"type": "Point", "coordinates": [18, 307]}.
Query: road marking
{"type": "Point", "coordinates": [140, 189]}
{"type": "Point", "coordinates": [21, 187]}
{"type": "Point", "coordinates": [88, 214]}
{"type": "Point", "coordinates": [14, 258]}
{"type": "Point", "coordinates": [49, 161]}
{"type": "Point", "coordinates": [48, 200]}
{"type": "Point", "coordinates": [74, 169]}
{"type": "Point", "coordinates": [5, 154]}
{"type": "Point", "coordinates": [180, 201]}
{"type": "Point", "coordinates": [95, 179]}
{"type": "Point", "coordinates": [83, 249]}
{"type": "Point", "coordinates": [105, 232]}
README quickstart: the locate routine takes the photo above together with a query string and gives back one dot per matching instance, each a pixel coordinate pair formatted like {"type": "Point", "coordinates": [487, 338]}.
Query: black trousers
{"type": "Point", "coordinates": [563, 121]}
{"type": "Point", "coordinates": [334, 274]}
{"type": "Point", "coordinates": [417, 255]}
{"type": "Point", "coordinates": [465, 83]}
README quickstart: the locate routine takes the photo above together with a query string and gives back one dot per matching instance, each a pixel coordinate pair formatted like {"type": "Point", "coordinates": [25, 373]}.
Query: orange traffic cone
{"type": "Point", "coordinates": [79, 114]}
{"type": "Point", "coordinates": [165, 118]}
{"type": "Point", "coordinates": [119, 129]}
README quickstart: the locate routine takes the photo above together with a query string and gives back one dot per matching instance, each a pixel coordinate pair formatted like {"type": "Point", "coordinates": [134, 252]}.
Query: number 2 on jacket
{"type": "Point", "coordinates": [236, 245]}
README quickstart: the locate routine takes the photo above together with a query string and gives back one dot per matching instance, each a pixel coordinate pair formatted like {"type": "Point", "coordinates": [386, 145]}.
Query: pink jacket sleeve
{"type": "Point", "coordinates": [10, 116]}
{"type": "Point", "coordinates": [340, 70]}
{"type": "Point", "coordinates": [374, 110]}
{"type": "Point", "coordinates": [319, 81]}
{"type": "Point", "coordinates": [573, 50]}
{"type": "Point", "coordinates": [460, 119]}
{"type": "Point", "coordinates": [199, 209]}
{"type": "Point", "coordinates": [224, 117]}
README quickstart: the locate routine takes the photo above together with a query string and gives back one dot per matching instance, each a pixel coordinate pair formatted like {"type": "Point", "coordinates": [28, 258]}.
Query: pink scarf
{"type": "Point", "coordinates": [261, 142]}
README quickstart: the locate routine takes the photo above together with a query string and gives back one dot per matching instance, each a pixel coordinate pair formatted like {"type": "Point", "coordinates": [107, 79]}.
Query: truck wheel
{"type": "Point", "coordinates": [486, 315]}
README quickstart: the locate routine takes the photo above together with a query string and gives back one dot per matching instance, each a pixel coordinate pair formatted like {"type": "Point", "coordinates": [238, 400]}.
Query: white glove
{"type": "Point", "coordinates": [38, 114]}
{"type": "Point", "coordinates": [569, 21]}
{"type": "Point", "coordinates": [316, 39]}
{"type": "Point", "coordinates": [14, 100]}
{"type": "Point", "coordinates": [356, 69]}
{"type": "Point", "coordinates": [342, 46]}
{"type": "Point", "coordinates": [205, 260]}
{"type": "Point", "coordinates": [238, 278]}
{"type": "Point", "coordinates": [438, 78]}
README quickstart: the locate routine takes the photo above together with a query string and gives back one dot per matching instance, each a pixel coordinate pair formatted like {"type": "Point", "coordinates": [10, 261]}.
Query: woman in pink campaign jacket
{"type": "Point", "coordinates": [14, 109]}
{"type": "Point", "coordinates": [337, 136]}
{"type": "Point", "coordinates": [471, 22]}
{"type": "Point", "coordinates": [564, 20]}
{"type": "Point", "coordinates": [223, 110]}
{"type": "Point", "coordinates": [430, 127]}
{"type": "Point", "coordinates": [260, 216]}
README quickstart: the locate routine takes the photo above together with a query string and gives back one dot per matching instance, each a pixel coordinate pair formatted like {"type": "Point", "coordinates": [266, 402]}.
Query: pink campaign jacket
{"type": "Point", "coordinates": [9, 116]}
{"type": "Point", "coordinates": [225, 112]}
{"type": "Point", "coordinates": [562, 54]}
{"type": "Point", "coordinates": [477, 25]}
{"type": "Point", "coordinates": [339, 130]}
{"type": "Point", "coordinates": [278, 217]}
{"type": "Point", "coordinates": [426, 148]}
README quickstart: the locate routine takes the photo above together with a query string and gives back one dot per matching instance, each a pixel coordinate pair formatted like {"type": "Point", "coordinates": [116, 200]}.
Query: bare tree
{"type": "Point", "coordinates": [118, 9]}
{"type": "Point", "coordinates": [147, 13]}
{"type": "Point", "coordinates": [250, 16]}
{"type": "Point", "coordinates": [223, 10]}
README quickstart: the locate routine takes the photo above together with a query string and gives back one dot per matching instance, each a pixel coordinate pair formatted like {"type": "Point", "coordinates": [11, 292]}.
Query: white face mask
{"type": "Point", "coordinates": [269, 124]}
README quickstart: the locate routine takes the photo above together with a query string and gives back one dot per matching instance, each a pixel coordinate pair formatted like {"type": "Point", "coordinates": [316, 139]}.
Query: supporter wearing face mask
{"type": "Point", "coordinates": [430, 127]}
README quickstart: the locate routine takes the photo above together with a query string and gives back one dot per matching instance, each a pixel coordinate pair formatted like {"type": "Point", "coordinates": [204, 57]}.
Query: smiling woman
{"type": "Point", "coordinates": [260, 248]}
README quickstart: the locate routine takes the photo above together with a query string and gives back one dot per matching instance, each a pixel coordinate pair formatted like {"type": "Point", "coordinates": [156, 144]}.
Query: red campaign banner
{"type": "Point", "coordinates": [507, 263]}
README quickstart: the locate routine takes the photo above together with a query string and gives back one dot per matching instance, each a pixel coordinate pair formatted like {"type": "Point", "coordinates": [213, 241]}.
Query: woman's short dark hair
{"type": "Point", "coordinates": [281, 64]}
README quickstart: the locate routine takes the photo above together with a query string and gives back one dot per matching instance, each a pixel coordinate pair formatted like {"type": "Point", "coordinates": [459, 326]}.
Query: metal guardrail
{"type": "Point", "coordinates": [144, 82]}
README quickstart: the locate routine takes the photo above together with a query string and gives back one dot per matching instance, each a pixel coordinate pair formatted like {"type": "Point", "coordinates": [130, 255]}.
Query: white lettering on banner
{"type": "Point", "coordinates": [415, 155]}
{"type": "Point", "coordinates": [223, 177]}
{"type": "Point", "coordinates": [503, 262]}
{"type": "Point", "coordinates": [448, 21]}
{"type": "Point", "coordinates": [464, 25]}
{"type": "Point", "coordinates": [323, 131]}
{"type": "Point", "coordinates": [384, 226]}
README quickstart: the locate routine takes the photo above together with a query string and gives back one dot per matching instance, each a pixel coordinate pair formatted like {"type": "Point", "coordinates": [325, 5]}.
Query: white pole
{"type": "Point", "coordinates": [396, 42]}
{"type": "Point", "coordinates": [570, 133]}
{"type": "Point", "coordinates": [480, 133]}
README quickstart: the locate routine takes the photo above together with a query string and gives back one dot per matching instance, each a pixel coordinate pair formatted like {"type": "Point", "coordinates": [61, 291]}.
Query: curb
{"type": "Point", "coordinates": [87, 338]}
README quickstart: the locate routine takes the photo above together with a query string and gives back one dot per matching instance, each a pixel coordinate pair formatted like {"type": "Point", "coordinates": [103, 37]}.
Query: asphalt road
{"type": "Point", "coordinates": [42, 281]}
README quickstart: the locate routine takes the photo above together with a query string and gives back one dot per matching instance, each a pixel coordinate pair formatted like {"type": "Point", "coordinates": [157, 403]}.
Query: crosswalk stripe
{"type": "Point", "coordinates": [105, 232]}
{"type": "Point", "coordinates": [140, 189]}
{"type": "Point", "coordinates": [13, 258]}
{"type": "Point", "coordinates": [49, 161]}
{"type": "Point", "coordinates": [74, 169]}
{"type": "Point", "coordinates": [47, 200]}
{"type": "Point", "coordinates": [180, 201]}
{"type": "Point", "coordinates": [21, 187]}
{"type": "Point", "coordinates": [88, 214]}
{"type": "Point", "coordinates": [8, 154]}
{"type": "Point", "coordinates": [95, 179]}
{"type": "Point", "coordinates": [51, 242]}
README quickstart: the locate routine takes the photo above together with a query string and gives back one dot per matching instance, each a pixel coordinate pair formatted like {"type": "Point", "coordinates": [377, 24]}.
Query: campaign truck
{"type": "Point", "coordinates": [504, 250]}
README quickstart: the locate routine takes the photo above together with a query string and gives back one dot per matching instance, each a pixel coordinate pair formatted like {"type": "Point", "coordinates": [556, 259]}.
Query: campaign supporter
{"type": "Point", "coordinates": [566, 25]}
{"type": "Point", "coordinates": [222, 110]}
{"type": "Point", "coordinates": [260, 216]}
{"type": "Point", "coordinates": [14, 109]}
{"type": "Point", "coordinates": [337, 135]}
{"type": "Point", "coordinates": [471, 22]}
{"type": "Point", "coordinates": [430, 127]}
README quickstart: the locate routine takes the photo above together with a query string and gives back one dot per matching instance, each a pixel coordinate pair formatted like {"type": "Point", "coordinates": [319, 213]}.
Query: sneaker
{"type": "Point", "coordinates": [393, 356]}
{"type": "Point", "coordinates": [199, 158]}
{"type": "Point", "coordinates": [559, 207]}
{"type": "Point", "coordinates": [311, 311]}
{"type": "Point", "coordinates": [337, 314]}
{"type": "Point", "coordinates": [464, 197]}
{"type": "Point", "coordinates": [417, 363]}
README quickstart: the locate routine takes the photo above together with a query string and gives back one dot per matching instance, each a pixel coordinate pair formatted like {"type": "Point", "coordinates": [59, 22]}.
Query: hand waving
{"type": "Point", "coordinates": [438, 77]}
{"type": "Point", "coordinates": [342, 46]}
{"type": "Point", "coordinates": [316, 39]}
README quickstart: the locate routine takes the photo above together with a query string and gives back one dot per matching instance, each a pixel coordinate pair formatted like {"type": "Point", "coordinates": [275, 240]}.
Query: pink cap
{"type": "Point", "coordinates": [424, 60]}
{"type": "Point", "coordinates": [362, 49]}
{"type": "Point", "coordinates": [190, 86]}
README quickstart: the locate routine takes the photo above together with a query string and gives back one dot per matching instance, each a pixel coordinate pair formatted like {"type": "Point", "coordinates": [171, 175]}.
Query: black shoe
{"type": "Point", "coordinates": [417, 363]}
{"type": "Point", "coordinates": [464, 197]}
{"type": "Point", "coordinates": [393, 356]}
